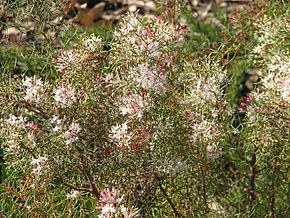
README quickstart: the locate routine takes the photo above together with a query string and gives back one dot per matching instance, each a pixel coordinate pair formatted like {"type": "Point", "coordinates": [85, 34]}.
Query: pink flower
{"type": "Point", "coordinates": [246, 101]}
{"type": "Point", "coordinates": [71, 135]}
{"type": "Point", "coordinates": [110, 197]}
{"type": "Point", "coordinates": [64, 61]}
{"type": "Point", "coordinates": [241, 110]}
{"type": "Point", "coordinates": [133, 105]}
{"type": "Point", "coordinates": [64, 96]}
{"type": "Point", "coordinates": [110, 205]}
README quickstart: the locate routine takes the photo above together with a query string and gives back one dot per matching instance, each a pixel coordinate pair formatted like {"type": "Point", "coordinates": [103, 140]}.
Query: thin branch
{"type": "Point", "coordinates": [252, 192]}
{"type": "Point", "coordinates": [31, 107]}
{"type": "Point", "coordinates": [273, 192]}
{"type": "Point", "coordinates": [87, 174]}
{"type": "Point", "coordinates": [158, 179]}
{"type": "Point", "coordinates": [77, 188]}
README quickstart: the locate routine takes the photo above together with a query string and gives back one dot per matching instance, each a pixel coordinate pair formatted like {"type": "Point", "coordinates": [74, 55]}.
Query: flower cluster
{"type": "Point", "coordinates": [64, 96]}
{"type": "Point", "coordinates": [38, 164]}
{"type": "Point", "coordinates": [274, 59]}
{"type": "Point", "coordinates": [15, 121]}
{"type": "Point", "coordinates": [92, 43]}
{"type": "Point", "coordinates": [268, 104]}
{"type": "Point", "coordinates": [71, 135]}
{"type": "Point", "coordinates": [73, 59]}
{"type": "Point", "coordinates": [64, 61]}
{"type": "Point", "coordinates": [111, 205]}
{"type": "Point", "coordinates": [120, 135]}
{"type": "Point", "coordinates": [142, 41]}
{"type": "Point", "coordinates": [34, 89]}
{"type": "Point", "coordinates": [204, 104]}
{"type": "Point", "coordinates": [133, 105]}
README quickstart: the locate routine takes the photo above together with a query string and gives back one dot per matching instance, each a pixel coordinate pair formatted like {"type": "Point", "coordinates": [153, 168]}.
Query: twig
{"type": "Point", "coordinates": [253, 178]}
{"type": "Point", "coordinates": [87, 173]}
{"type": "Point", "coordinates": [77, 188]}
{"type": "Point", "coordinates": [273, 195]}
{"type": "Point", "coordinates": [203, 172]}
{"type": "Point", "coordinates": [158, 179]}
{"type": "Point", "coordinates": [33, 108]}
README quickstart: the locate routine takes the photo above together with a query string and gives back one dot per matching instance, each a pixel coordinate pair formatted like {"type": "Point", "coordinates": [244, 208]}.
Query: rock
{"type": "Point", "coordinates": [11, 31]}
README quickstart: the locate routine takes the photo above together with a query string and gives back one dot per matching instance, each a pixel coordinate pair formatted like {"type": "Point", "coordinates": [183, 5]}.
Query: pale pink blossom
{"type": "Point", "coordinates": [133, 105]}
{"type": "Point", "coordinates": [110, 197]}
{"type": "Point", "coordinates": [71, 135]}
{"type": "Point", "coordinates": [149, 78]}
{"type": "Point", "coordinates": [284, 88]}
{"type": "Point", "coordinates": [110, 205]}
{"type": "Point", "coordinates": [64, 61]}
{"type": "Point", "coordinates": [64, 95]}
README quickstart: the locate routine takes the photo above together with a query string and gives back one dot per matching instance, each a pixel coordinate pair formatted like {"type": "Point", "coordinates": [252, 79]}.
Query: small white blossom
{"type": "Point", "coordinates": [133, 105]}
{"type": "Point", "coordinates": [15, 121]}
{"type": "Point", "coordinates": [71, 135]}
{"type": "Point", "coordinates": [119, 134]}
{"type": "Point", "coordinates": [92, 43]}
{"type": "Point", "coordinates": [108, 209]}
{"type": "Point", "coordinates": [38, 164]}
{"type": "Point", "coordinates": [73, 194]}
{"type": "Point", "coordinates": [57, 123]}
{"type": "Point", "coordinates": [129, 212]}
{"type": "Point", "coordinates": [64, 96]}
{"type": "Point", "coordinates": [34, 89]}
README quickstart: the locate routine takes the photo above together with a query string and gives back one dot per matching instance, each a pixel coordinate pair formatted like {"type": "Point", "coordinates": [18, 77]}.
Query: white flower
{"type": "Point", "coordinates": [71, 134]}
{"type": "Point", "coordinates": [65, 60]}
{"type": "Point", "coordinates": [34, 89]}
{"type": "Point", "coordinates": [73, 194]}
{"type": "Point", "coordinates": [92, 43]}
{"type": "Point", "coordinates": [129, 212]}
{"type": "Point", "coordinates": [133, 105]}
{"type": "Point", "coordinates": [148, 78]}
{"type": "Point", "coordinates": [64, 96]}
{"type": "Point", "coordinates": [108, 209]}
{"type": "Point", "coordinates": [284, 88]}
{"type": "Point", "coordinates": [57, 123]}
{"type": "Point", "coordinates": [16, 121]}
{"type": "Point", "coordinates": [119, 134]}
{"type": "Point", "coordinates": [38, 164]}
{"type": "Point", "coordinates": [279, 63]}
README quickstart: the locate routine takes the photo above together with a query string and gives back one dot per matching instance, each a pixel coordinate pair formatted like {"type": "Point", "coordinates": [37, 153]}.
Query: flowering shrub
{"type": "Point", "coordinates": [153, 123]}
